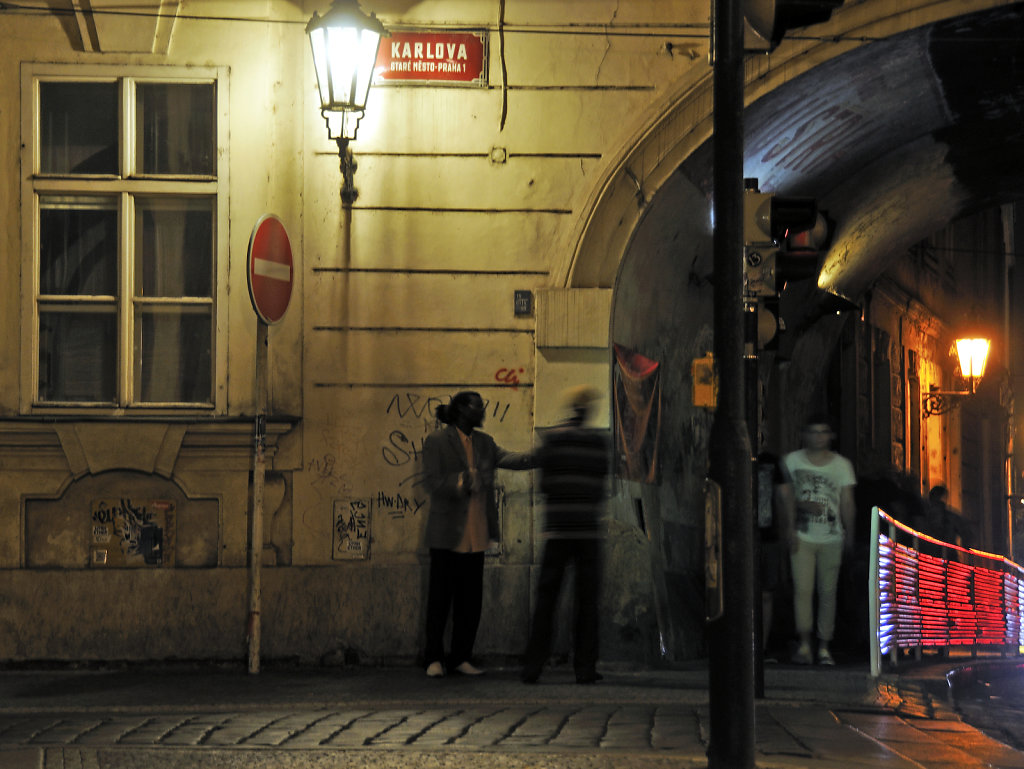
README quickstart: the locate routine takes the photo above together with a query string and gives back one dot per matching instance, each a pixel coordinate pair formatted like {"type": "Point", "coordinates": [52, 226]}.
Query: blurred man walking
{"type": "Point", "coordinates": [573, 462]}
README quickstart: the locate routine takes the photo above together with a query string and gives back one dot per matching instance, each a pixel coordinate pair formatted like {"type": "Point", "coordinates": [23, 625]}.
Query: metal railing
{"type": "Point", "coordinates": [926, 594]}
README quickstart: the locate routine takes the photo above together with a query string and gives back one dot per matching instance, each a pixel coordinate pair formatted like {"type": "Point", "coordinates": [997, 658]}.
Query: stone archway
{"type": "Point", "coordinates": [647, 232]}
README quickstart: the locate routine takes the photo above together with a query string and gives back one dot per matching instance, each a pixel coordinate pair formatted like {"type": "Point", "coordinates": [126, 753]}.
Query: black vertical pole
{"type": "Point", "coordinates": [731, 637]}
{"type": "Point", "coordinates": [752, 387]}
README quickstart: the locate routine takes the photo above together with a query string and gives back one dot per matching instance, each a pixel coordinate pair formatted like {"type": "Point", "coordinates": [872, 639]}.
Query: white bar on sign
{"type": "Point", "coordinates": [273, 270]}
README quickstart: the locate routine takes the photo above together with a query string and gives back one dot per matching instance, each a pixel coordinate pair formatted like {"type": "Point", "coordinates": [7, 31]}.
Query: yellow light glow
{"type": "Point", "coordinates": [973, 355]}
{"type": "Point", "coordinates": [344, 43]}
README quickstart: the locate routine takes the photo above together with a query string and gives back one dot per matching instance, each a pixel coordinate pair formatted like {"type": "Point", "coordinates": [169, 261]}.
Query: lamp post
{"type": "Point", "coordinates": [973, 355]}
{"type": "Point", "coordinates": [345, 42]}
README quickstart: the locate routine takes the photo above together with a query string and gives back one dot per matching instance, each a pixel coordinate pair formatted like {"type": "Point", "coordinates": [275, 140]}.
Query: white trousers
{"type": "Point", "coordinates": [816, 567]}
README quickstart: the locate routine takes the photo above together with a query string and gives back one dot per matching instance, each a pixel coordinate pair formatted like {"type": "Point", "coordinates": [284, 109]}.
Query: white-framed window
{"type": "Point", "coordinates": [125, 229]}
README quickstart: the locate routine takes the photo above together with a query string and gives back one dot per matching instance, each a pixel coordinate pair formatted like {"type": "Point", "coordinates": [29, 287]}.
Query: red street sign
{"type": "Point", "coordinates": [269, 269]}
{"type": "Point", "coordinates": [433, 57]}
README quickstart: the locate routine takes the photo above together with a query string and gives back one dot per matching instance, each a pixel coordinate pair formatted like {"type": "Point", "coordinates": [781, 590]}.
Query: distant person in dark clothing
{"type": "Point", "coordinates": [573, 462]}
{"type": "Point", "coordinates": [774, 492]}
{"type": "Point", "coordinates": [941, 521]}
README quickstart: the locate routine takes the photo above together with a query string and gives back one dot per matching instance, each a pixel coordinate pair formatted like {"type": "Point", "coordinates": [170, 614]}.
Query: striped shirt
{"type": "Point", "coordinates": [573, 462]}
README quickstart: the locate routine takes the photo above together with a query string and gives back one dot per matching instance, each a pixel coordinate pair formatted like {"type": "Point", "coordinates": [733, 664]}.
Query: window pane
{"type": "Point", "coordinates": [176, 355]}
{"type": "Point", "coordinates": [174, 247]}
{"type": "Point", "coordinates": [78, 128]}
{"type": "Point", "coordinates": [77, 352]}
{"type": "Point", "coordinates": [78, 246]}
{"type": "Point", "coordinates": [175, 128]}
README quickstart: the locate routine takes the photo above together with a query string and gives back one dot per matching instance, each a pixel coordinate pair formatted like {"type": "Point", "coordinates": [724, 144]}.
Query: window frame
{"type": "Point", "coordinates": [126, 186]}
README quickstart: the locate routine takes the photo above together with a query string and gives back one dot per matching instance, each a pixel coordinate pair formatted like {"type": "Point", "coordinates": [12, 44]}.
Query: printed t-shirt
{"type": "Point", "coordinates": [823, 485]}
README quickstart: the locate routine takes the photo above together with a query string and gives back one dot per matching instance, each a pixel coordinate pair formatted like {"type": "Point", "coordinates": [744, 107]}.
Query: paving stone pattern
{"type": "Point", "coordinates": [852, 738]}
{"type": "Point", "coordinates": [630, 728]}
{"type": "Point", "coordinates": [391, 720]}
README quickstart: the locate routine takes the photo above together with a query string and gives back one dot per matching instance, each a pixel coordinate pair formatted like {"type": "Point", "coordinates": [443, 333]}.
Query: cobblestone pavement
{"type": "Point", "coordinates": [488, 727]}
{"type": "Point", "coordinates": [787, 736]}
{"type": "Point", "coordinates": [817, 720]}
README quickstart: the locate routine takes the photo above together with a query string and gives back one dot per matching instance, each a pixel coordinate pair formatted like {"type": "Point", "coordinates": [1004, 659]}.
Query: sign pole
{"type": "Point", "coordinates": [259, 472]}
{"type": "Point", "coordinates": [731, 637]}
{"type": "Point", "coordinates": [270, 274]}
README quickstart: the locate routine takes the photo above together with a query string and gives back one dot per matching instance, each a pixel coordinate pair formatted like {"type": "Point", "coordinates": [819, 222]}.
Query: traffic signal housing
{"type": "Point", "coordinates": [783, 239]}
{"type": "Point", "coordinates": [770, 20]}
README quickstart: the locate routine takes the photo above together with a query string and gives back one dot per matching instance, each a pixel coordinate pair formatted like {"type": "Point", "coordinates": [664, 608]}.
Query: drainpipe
{"type": "Point", "coordinates": [1011, 362]}
{"type": "Point", "coordinates": [731, 635]}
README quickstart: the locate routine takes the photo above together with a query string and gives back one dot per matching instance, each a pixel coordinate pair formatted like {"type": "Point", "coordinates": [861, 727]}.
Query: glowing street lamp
{"type": "Point", "coordinates": [345, 42]}
{"type": "Point", "coordinates": [973, 355]}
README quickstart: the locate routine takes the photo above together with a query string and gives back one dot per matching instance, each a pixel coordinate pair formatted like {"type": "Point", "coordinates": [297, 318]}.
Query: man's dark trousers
{"type": "Point", "coordinates": [456, 586]}
{"type": "Point", "coordinates": [586, 556]}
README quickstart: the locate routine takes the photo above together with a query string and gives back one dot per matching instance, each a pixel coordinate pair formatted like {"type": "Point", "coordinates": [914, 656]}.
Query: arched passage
{"type": "Point", "coordinates": [895, 138]}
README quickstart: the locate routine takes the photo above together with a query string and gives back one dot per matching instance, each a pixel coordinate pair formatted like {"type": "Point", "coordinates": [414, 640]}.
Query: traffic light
{"type": "Point", "coordinates": [769, 20]}
{"type": "Point", "coordinates": [782, 240]}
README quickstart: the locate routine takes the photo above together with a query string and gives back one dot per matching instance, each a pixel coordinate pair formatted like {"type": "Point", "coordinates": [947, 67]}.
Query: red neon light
{"type": "Point", "coordinates": [971, 598]}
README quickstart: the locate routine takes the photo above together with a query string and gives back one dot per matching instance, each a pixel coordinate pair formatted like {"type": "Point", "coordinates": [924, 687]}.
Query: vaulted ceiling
{"type": "Point", "coordinates": [896, 138]}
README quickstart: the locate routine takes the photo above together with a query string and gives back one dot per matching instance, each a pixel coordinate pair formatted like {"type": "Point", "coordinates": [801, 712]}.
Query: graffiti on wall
{"type": "Point", "coordinates": [398, 506]}
{"type": "Point", "coordinates": [136, 533]}
{"type": "Point", "coordinates": [403, 446]}
{"type": "Point", "coordinates": [423, 407]}
{"type": "Point", "coordinates": [325, 473]}
{"type": "Point", "coordinates": [509, 376]}
{"type": "Point", "coordinates": [396, 503]}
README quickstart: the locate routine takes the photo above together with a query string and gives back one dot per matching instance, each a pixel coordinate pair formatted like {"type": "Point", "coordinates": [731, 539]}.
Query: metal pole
{"type": "Point", "coordinates": [731, 638]}
{"type": "Point", "coordinates": [752, 392]}
{"type": "Point", "coordinates": [258, 476]}
{"type": "Point", "coordinates": [874, 598]}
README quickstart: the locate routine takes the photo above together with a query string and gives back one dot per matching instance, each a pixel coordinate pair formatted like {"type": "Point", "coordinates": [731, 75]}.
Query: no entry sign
{"type": "Point", "coordinates": [270, 269]}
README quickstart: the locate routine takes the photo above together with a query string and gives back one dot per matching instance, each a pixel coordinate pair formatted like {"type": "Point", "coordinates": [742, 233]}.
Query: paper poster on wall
{"type": "Point", "coordinates": [127, 532]}
{"type": "Point", "coordinates": [351, 529]}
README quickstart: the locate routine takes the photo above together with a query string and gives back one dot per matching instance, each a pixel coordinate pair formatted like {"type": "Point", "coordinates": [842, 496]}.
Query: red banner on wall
{"type": "Point", "coordinates": [433, 57]}
{"type": "Point", "coordinates": [637, 403]}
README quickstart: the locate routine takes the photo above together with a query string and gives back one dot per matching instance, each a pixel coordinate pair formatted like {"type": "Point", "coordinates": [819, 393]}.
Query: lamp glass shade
{"type": "Point", "coordinates": [973, 355]}
{"type": "Point", "coordinates": [345, 43]}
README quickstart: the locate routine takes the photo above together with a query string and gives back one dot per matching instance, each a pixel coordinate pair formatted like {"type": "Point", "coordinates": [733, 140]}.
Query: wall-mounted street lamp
{"type": "Point", "coordinates": [973, 355]}
{"type": "Point", "coordinates": [345, 42]}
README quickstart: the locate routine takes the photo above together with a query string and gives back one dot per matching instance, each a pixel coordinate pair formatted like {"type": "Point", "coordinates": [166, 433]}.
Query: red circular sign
{"type": "Point", "coordinates": [270, 269]}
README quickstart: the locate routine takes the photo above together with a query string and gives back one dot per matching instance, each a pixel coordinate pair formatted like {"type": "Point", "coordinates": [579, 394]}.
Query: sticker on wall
{"type": "Point", "coordinates": [129, 532]}
{"type": "Point", "coordinates": [351, 529]}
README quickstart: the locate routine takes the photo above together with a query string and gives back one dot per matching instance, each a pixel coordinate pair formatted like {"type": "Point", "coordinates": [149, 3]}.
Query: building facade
{"type": "Point", "coordinates": [543, 224]}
